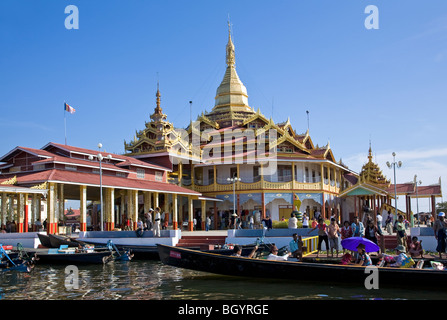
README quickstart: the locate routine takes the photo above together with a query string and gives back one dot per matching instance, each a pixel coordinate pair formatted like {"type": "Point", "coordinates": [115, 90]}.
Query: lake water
{"type": "Point", "coordinates": [151, 280]}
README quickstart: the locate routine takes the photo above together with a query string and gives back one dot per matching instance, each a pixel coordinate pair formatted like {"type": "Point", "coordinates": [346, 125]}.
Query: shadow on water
{"type": "Point", "coordinates": [151, 280]}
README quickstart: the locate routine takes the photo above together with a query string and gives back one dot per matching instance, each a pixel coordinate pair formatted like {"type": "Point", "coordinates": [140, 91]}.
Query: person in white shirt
{"type": "Point", "coordinates": [157, 222]}
{"type": "Point", "coordinates": [274, 255]}
{"type": "Point", "coordinates": [305, 221]}
{"type": "Point", "coordinates": [293, 221]}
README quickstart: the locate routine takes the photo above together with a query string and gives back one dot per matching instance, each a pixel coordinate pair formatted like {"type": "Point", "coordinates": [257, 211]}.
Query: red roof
{"type": "Point", "coordinates": [410, 189]}
{"type": "Point", "coordinates": [126, 161]}
{"type": "Point", "coordinates": [92, 179]}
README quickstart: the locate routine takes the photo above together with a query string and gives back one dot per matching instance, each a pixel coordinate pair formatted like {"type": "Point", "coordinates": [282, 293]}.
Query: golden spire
{"type": "Point", "coordinates": [158, 95]}
{"type": "Point", "coordinates": [231, 59]}
{"type": "Point", "coordinates": [158, 112]}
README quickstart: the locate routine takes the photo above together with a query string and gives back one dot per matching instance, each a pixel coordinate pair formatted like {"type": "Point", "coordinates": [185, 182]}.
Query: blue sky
{"type": "Point", "coordinates": [386, 85]}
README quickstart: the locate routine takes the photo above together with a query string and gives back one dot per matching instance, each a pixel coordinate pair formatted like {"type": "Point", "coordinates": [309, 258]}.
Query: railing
{"type": "Point", "coordinates": [310, 245]}
{"type": "Point", "coordinates": [264, 185]}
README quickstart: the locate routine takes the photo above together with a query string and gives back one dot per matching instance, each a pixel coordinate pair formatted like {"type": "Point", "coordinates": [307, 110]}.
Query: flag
{"type": "Point", "coordinates": [69, 108]}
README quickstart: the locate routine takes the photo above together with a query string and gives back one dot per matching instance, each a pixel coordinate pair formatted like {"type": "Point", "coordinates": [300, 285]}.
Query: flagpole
{"type": "Point", "coordinates": [65, 125]}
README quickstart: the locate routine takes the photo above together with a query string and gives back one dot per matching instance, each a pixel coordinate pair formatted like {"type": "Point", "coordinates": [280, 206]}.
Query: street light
{"type": "Point", "coordinates": [393, 165]}
{"type": "Point", "coordinates": [233, 180]}
{"type": "Point", "coordinates": [100, 158]}
{"type": "Point", "coordinates": [417, 198]}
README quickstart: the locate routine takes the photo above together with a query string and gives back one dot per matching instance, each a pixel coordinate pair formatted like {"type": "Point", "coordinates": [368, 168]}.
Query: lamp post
{"type": "Point", "coordinates": [416, 182]}
{"type": "Point", "coordinates": [233, 180]}
{"type": "Point", "coordinates": [100, 158]}
{"type": "Point", "coordinates": [393, 165]}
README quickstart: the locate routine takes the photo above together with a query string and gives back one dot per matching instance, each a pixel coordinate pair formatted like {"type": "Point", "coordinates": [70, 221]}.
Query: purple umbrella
{"type": "Point", "coordinates": [353, 242]}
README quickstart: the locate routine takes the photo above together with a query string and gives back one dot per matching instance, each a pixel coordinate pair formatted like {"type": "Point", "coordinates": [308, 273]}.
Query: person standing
{"type": "Point", "coordinates": [207, 223]}
{"type": "Point", "coordinates": [440, 230]}
{"type": "Point", "coordinates": [333, 233]}
{"type": "Point", "coordinates": [322, 235]}
{"type": "Point", "coordinates": [389, 223]}
{"type": "Point", "coordinates": [346, 232]}
{"type": "Point", "coordinates": [357, 228]}
{"type": "Point", "coordinates": [251, 221]}
{"type": "Point", "coordinates": [401, 232]}
{"type": "Point", "coordinates": [157, 222]}
{"type": "Point", "coordinates": [305, 221]}
{"type": "Point", "coordinates": [293, 221]}
{"type": "Point", "coordinates": [379, 221]}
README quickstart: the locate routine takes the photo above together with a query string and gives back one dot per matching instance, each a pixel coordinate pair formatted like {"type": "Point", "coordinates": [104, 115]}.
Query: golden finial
{"type": "Point", "coordinates": [230, 48]}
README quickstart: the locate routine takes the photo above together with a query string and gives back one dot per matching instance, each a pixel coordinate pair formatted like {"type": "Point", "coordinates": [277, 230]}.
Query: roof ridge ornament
{"type": "Point", "coordinates": [230, 57]}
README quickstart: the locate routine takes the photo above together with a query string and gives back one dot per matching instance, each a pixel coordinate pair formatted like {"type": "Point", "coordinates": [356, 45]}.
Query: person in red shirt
{"type": "Point", "coordinates": [322, 235]}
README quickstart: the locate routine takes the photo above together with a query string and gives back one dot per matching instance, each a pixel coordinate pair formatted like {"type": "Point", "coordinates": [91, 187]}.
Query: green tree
{"type": "Point", "coordinates": [441, 206]}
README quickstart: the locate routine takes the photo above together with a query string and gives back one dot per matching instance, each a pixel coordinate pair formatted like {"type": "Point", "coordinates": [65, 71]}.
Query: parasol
{"type": "Point", "coordinates": [353, 242]}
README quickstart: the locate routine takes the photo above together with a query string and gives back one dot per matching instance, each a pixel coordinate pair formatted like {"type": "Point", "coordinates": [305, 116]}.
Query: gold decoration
{"type": "Point", "coordinates": [10, 181]}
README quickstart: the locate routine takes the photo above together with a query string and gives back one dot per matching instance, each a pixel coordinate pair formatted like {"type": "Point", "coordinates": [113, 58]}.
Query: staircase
{"type": "Point", "coordinates": [390, 241]}
{"type": "Point", "coordinates": [201, 242]}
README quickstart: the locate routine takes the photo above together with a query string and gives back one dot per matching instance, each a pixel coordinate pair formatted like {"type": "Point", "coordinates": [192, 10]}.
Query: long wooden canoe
{"type": "Point", "coordinates": [293, 270]}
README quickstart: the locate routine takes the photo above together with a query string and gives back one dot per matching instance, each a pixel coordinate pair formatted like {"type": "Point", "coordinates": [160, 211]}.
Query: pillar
{"type": "Point", "coordinates": [25, 213]}
{"type": "Point", "coordinates": [174, 212]}
{"type": "Point", "coordinates": [21, 205]}
{"type": "Point", "coordinates": [51, 225]}
{"type": "Point", "coordinates": [156, 200]}
{"type": "Point", "coordinates": [122, 208]}
{"type": "Point", "coordinates": [433, 206]}
{"type": "Point", "coordinates": [33, 211]}
{"type": "Point", "coordinates": [83, 207]}
{"type": "Point", "coordinates": [61, 197]}
{"type": "Point", "coordinates": [147, 200]}
{"type": "Point", "coordinates": [263, 206]}
{"type": "Point", "coordinates": [130, 208]}
{"type": "Point", "coordinates": [166, 208]}
{"type": "Point", "coordinates": [323, 208]}
{"type": "Point", "coordinates": [203, 203]}
{"type": "Point", "coordinates": [180, 174]}
{"type": "Point", "coordinates": [110, 207]}
{"type": "Point", "coordinates": [215, 215]}
{"type": "Point", "coordinates": [4, 212]}
{"type": "Point", "coordinates": [190, 214]}
{"type": "Point", "coordinates": [135, 207]}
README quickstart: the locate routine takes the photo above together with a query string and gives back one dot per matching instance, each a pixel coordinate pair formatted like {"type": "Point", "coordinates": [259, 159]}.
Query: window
{"type": "Point", "coordinates": [140, 173]}
{"type": "Point", "coordinates": [38, 167]}
{"type": "Point", "coordinates": [159, 176]}
{"type": "Point", "coordinates": [70, 167]}
{"type": "Point", "coordinates": [121, 174]}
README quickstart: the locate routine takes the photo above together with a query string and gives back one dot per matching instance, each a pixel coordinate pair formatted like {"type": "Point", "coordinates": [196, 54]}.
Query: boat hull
{"type": "Point", "coordinates": [73, 258]}
{"type": "Point", "coordinates": [44, 240]}
{"type": "Point", "coordinates": [302, 271]}
{"type": "Point", "coordinates": [56, 241]}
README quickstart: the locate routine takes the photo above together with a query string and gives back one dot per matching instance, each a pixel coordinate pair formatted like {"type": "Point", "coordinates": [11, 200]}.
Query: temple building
{"type": "Point", "coordinates": [56, 172]}
{"type": "Point", "coordinates": [239, 156]}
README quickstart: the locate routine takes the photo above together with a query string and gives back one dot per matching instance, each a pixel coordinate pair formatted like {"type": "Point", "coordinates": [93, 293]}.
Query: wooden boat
{"type": "Point", "coordinates": [67, 255]}
{"type": "Point", "coordinates": [84, 254]}
{"type": "Point", "coordinates": [59, 240]}
{"type": "Point", "coordinates": [14, 261]}
{"type": "Point", "coordinates": [44, 240]}
{"type": "Point", "coordinates": [293, 270]}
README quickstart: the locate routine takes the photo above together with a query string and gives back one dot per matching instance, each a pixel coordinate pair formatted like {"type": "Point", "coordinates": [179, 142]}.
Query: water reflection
{"type": "Point", "coordinates": [151, 280]}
